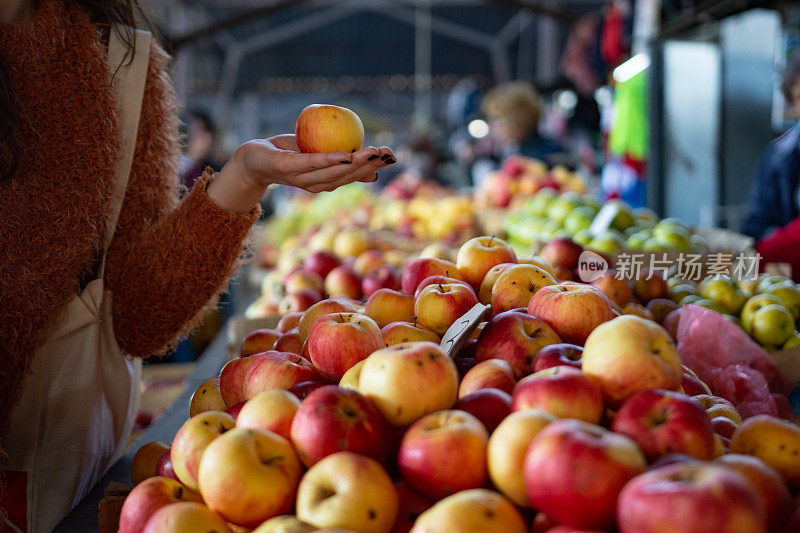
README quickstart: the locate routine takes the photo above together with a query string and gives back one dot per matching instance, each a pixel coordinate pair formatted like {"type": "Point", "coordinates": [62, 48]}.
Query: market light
{"type": "Point", "coordinates": [478, 128]}
{"type": "Point", "coordinates": [631, 68]}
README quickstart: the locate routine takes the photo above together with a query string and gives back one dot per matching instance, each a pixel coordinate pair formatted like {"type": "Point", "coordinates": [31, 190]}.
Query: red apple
{"type": "Point", "coordinates": [275, 370]}
{"type": "Point", "coordinates": [145, 460]}
{"type": "Point", "coordinates": [259, 341]}
{"type": "Point", "coordinates": [479, 255]}
{"type": "Point", "coordinates": [368, 261]}
{"type": "Point", "coordinates": [563, 391]}
{"type": "Point", "coordinates": [489, 374]}
{"type": "Point", "coordinates": [691, 385]}
{"type": "Point", "coordinates": [332, 419]}
{"type": "Point", "coordinates": [288, 322]}
{"type": "Point", "coordinates": [618, 290]}
{"type": "Point", "coordinates": [574, 472]}
{"type": "Point", "coordinates": [663, 422]}
{"type": "Point", "coordinates": [321, 262]}
{"type": "Point", "coordinates": [694, 497]}
{"type": "Point", "coordinates": [561, 354]}
{"type": "Point", "coordinates": [148, 497]}
{"type": "Point", "coordinates": [384, 277]}
{"type": "Point", "coordinates": [444, 453]}
{"type": "Point", "coordinates": [340, 340]}
{"type": "Point", "coordinates": [271, 410]}
{"type": "Point", "coordinates": [438, 306]}
{"type": "Point", "coordinates": [769, 488]}
{"type": "Point", "coordinates": [515, 337]}
{"type": "Point", "coordinates": [562, 252]}
{"type": "Point", "coordinates": [421, 268]}
{"type": "Point", "coordinates": [298, 301]}
{"type": "Point", "coordinates": [232, 379]}
{"type": "Point", "coordinates": [650, 286]}
{"type": "Point", "coordinates": [385, 306]}
{"type": "Point", "coordinates": [438, 280]}
{"type": "Point", "coordinates": [516, 286]}
{"type": "Point", "coordinates": [403, 332]}
{"type": "Point", "coordinates": [164, 466]}
{"type": "Point", "coordinates": [464, 365]}
{"type": "Point", "coordinates": [325, 307]}
{"type": "Point", "coordinates": [490, 406]}
{"type": "Point", "coordinates": [411, 505]}
{"type": "Point", "coordinates": [290, 342]}
{"type": "Point", "coordinates": [301, 390]}
{"type": "Point", "coordinates": [660, 308]}
{"type": "Point", "coordinates": [234, 409]}
{"type": "Point", "coordinates": [573, 310]}
{"type": "Point", "coordinates": [304, 279]}
{"type": "Point", "coordinates": [723, 426]}
{"type": "Point", "coordinates": [342, 281]}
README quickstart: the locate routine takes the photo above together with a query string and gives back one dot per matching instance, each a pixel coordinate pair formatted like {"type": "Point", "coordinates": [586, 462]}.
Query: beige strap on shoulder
{"type": "Point", "coordinates": [128, 82]}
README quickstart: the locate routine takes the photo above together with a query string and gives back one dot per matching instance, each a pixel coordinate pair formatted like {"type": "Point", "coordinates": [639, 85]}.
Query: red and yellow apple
{"type": "Point", "coordinates": [385, 306]}
{"type": "Point", "coordinates": [186, 517]}
{"type": "Point", "coordinates": [438, 306]}
{"type": "Point", "coordinates": [489, 406]}
{"type": "Point", "coordinates": [563, 391]}
{"type": "Point", "coordinates": [403, 332]}
{"type": "Point", "coordinates": [471, 510]}
{"type": "Point", "coordinates": [328, 128]}
{"type": "Point", "coordinates": [290, 342]}
{"type": "Point", "coordinates": [340, 340]}
{"type": "Point", "coordinates": [288, 322]}
{"type": "Point", "coordinates": [259, 341]}
{"type": "Point", "coordinates": [561, 354]}
{"type": "Point", "coordinates": [325, 307]}
{"type": "Point", "coordinates": [774, 441]}
{"type": "Point", "coordinates": [301, 279]}
{"type": "Point", "coordinates": [516, 286]}
{"type": "Point", "coordinates": [191, 441]}
{"type": "Point", "coordinates": [321, 262]}
{"type": "Point", "coordinates": [271, 410]}
{"type": "Point", "coordinates": [618, 290]}
{"type": "Point", "coordinates": [342, 281]}
{"type": "Point", "coordinates": [384, 277]}
{"type": "Point", "coordinates": [479, 255]}
{"type": "Point", "coordinates": [424, 267]}
{"type": "Point", "coordinates": [145, 460]}
{"type": "Point", "coordinates": [489, 374]}
{"type": "Point", "coordinates": [147, 498]}
{"type": "Point", "coordinates": [438, 280]}
{"type": "Point", "coordinates": [275, 370]}
{"type": "Point", "coordinates": [573, 310]}
{"type": "Point", "coordinates": [485, 289]}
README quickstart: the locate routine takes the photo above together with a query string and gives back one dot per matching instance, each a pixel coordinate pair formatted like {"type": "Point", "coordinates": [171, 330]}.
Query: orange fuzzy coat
{"type": "Point", "coordinates": [168, 259]}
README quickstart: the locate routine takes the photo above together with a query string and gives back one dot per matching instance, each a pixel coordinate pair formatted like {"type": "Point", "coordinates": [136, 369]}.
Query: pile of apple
{"type": "Point", "coordinates": [559, 415]}
{"type": "Point", "coordinates": [520, 177]}
{"type": "Point", "coordinates": [549, 214]}
{"type": "Point", "coordinates": [767, 308]}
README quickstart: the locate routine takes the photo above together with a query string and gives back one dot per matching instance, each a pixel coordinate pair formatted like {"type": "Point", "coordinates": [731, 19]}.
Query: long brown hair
{"type": "Point", "coordinates": [118, 13]}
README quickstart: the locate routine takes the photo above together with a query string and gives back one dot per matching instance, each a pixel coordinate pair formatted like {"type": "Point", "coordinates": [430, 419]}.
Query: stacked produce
{"type": "Point", "coordinates": [549, 214]}
{"type": "Point", "coordinates": [520, 177]}
{"type": "Point", "coordinates": [575, 412]}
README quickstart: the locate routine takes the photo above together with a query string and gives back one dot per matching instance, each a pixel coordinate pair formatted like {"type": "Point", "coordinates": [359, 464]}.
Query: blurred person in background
{"type": "Point", "coordinates": [101, 264]}
{"type": "Point", "coordinates": [514, 110]}
{"type": "Point", "coordinates": [774, 205]}
{"type": "Point", "coordinates": [201, 145]}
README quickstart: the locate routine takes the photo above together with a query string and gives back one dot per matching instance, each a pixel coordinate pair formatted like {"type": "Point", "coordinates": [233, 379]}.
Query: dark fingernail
{"type": "Point", "coordinates": [384, 157]}
{"type": "Point", "coordinates": [373, 157]}
{"type": "Point", "coordinates": [345, 162]}
{"type": "Point", "coordinates": [389, 162]}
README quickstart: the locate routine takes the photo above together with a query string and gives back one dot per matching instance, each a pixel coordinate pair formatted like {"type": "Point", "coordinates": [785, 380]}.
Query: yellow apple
{"type": "Point", "coordinates": [789, 295]}
{"type": "Point", "coordinates": [350, 491]}
{"type": "Point", "coordinates": [477, 256]}
{"type": "Point", "coordinates": [754, 304]}
{"type": "Point", "coordinates": [285, 524]}
{"type": "Point", "coordinates": [772, 324]}
{"type": "Point", "coordinates": [350, 378]}
{"type": "Point", "coordinates": [328, 128]}
{"type": "Point", "coordinates": [185, 517]}
{"type": "Point", "coordinates": [271, 410]}
{"type": "Point", "coordinates": [207, 397]}
{"type": "Point", "coordinates": [516, 286]}
{"type": "Point", "coordinates": [471, 511]}
{"type": "Point", "coordinates": [191, 441]}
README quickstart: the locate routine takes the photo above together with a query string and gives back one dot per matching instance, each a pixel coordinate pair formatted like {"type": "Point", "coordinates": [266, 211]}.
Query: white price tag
{"type": "Point", "coordinates": [455, 337]}
{"type": "Point", "coordinates": [603, 219]}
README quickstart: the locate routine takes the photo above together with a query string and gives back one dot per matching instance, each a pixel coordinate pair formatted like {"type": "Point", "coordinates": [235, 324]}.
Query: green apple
{"type": "Point", "coordinates": [578, 219]}
{"type": "Point", "coordinates": [788, 294]}
{"type": "Point", "coordinates": [689, 299]}
{"type": "Point", "coordinates": [772, 324]}
{"type": "Point", "coordinates": [681, 291]}
{"type": "Point", "coordinates": [624, 218]}
{"type": "Point", "coordinates": [645, 217]}
{"type": "Point", "coordinates": [562, 206]}
{"type": "Point", "coordinates": [674, 241]}
{"type": "Point", "coordinates": [549, 230]}
{"type": "Point", "coordinates": [582, 237]}
{"type": "Point", "coordinates": [592, 202]}
{"type": "Point", "coordinates": [772, 280]}
{"type": "Point", "coordinates": [538, 204]}
{"type": "Point", "coordinates": [609, 241]}
{"type": "Point", "coordinates": [675, 280]}
{"type": "Point", "coordinates": [793, 341]}
{"type": "Point", "coordinates": [636, 240]}
{"type": "Point", "coordinates": [754, 304]}
{"type": "Point", "coordinates": [724, 291]}
{"type": "Point", "coordinates": [654, 245]}
{"type": "Point", "coordinates": [710, 304]}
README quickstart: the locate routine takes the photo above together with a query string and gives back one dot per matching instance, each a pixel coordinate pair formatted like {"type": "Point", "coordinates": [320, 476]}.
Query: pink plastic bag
{"type": "Point", "coordinates": [729, 361]}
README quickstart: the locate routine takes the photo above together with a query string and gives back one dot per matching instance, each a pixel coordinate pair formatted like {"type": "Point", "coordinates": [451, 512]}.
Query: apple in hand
{"type": "Point", "coordinates": [249, 475]}
{"type": "Point", "coordinates": [424, 267]}
{"type": "Point", "coordinates": [516, 286]}
{"type": "Point", "coordinates": [328, 128]}
{"type": "Point", "coordinates": [145, 461]}
{"type": "Point", "coordinates": [403, 332]}
{"type": "Point", "coordinates": [290, 342]}
{"type": "Point", "coordinates": [340, 340]}
{"type": "Point", "coordinates": [186, 517]}
{"type": "Point", "coordinates": [485, 290]}
{"type": "Point", "coordinates": [259, 341]}
{"type": "Point", "coordinates": [443, 453]}
{"type": "Point", "coordinates": [561, 354]}
{"type": "Point", "coordinates": [479, 255]}
{"type": "Point", "coordinates": [148, 497]}
{"type": "Point", "coordinates": [408, 381]}
{"type": "Point", "coordinates": [478, 510]}
{"type": "Point", "coordinates": [693, 497]}
{"type": "Point", "coordinates": [574, 472]}
{"type": "Point", "coordinates": [438, 306]}
{"type": "Point", "coordinates": [515, 337]}
{"type": "Point", "coordinates": [385, 306]}
{"type": "Point", "coordinates": [275, 370]}
{"type": "Point", "coordinates": [384, 277]}
{"type": "Point", "coordinates": [271, 410]}
{"type": "Point", "coordinates": [490, 406]}
{"type": "Point", "coordinates": [506, 451]}
{"type": "Point", "coordinates": [489, 374]}
{"type": "Point", "coordinates": [333, 419]}
{"type": "Point", "coordinates": [663, 422]}
{"type": "Point", "coordinates": [318, 310]}
{"type": "Point", "coordinates": [349, 491]}
{"type": "Point", "coordinates": [563, 391]}
{"type": "Point", "coordinates": [438, 280]}
{"type": "Point", "coordinates": [573, 310]}
{"type": "Point", "coordinates": [192, 440]}
{"type": "Point", "coordinates": [342, 281]}
{"type": "Point", "coordinates": [629, 354]}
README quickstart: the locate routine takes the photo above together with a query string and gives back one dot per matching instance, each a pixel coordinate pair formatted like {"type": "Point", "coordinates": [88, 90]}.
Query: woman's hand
{"type": "Point", "coordinates": [259, 163]}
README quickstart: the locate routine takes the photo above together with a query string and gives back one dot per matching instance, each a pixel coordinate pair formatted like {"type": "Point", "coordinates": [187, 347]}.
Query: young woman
{"type": "Point", "coordinates": [99, 264]}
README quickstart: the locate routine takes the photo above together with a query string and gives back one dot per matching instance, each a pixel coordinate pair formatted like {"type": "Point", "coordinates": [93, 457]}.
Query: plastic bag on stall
{"type": "Point", "coordinates": [730, 362]}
